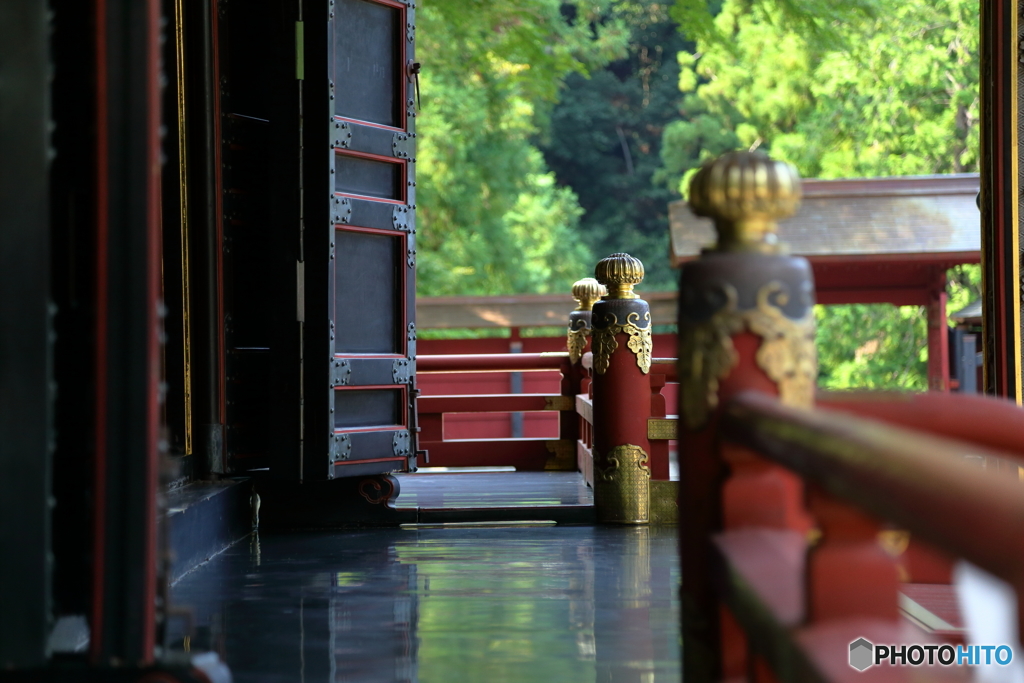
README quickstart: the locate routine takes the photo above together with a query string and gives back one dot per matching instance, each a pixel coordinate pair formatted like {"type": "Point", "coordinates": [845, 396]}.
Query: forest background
{"type": "Point", "coordinates": [554, 132]}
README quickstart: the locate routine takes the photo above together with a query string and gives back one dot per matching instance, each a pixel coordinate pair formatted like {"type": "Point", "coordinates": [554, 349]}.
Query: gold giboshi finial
{"type": "Point", "coordinates": [619, 273]}
{"type": "Point", "coordinates": [586, 292]}
{"type": "Point", "coordinates": [745, 193]}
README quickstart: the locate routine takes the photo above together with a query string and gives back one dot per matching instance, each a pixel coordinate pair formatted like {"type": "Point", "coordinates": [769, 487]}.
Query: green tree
{"type": "Point", "coordinates": [899, 98]}
{"type": "Point", "coordinates": [491, 218]}
{"type": "Point", "coordinates": [605, 138]}
{"type": "Point", "coordinates": [839, 90]}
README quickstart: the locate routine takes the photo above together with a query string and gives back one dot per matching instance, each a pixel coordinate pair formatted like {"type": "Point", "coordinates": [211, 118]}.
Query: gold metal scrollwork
{"type": "Point", "coordinates": [640, 342]}
{"type": "Point", "coordinates": [622, 490]}
{"type": "Point", "coordinates": [706, 355]}
{"type": "Point", "coordinates": [787, 353]}
{"type": "Point", "coordinates": [577, 342]}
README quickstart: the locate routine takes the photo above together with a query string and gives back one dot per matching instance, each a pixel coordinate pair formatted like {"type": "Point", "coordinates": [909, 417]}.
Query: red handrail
{"type": "Point", "coordinates": [522, 453]}
{"type": "Point", "coordinates": [984, 420]}
{"type": "Point", "coordinates": [492, 362]}
{"type": "Point", "coordinates": [914, 479]}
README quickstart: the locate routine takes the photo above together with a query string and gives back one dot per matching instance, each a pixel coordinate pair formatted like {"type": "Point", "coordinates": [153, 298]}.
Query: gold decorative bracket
{"type": "Point", "coordinates": [640, 342]}
{"type": "Point", "coordinates": [787, 353]}
{"type": "Point", "coordinates": [576, 342]}
{"type": "Point", "coordinates": [622, 492]}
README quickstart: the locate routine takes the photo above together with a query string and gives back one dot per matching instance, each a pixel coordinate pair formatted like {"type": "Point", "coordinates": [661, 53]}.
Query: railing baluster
{"type": "Point", "coordinates": [659, 447]}
{"type": "Point", "coordinates": [574, 375]}
{"type": "Point", "coordinates": [848, 572]}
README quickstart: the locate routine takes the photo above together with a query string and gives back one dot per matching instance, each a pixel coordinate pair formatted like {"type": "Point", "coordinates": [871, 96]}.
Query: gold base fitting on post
{"type": "Point", "coordinates": [622, 491]}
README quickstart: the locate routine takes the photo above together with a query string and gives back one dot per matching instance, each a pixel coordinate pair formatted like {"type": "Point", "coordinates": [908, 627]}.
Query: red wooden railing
{"type": "Point", "coordinates": [806, 522]}
{"type": "Point", "coordinates": [796, 606]}
{"type": "Point", "coordinates": [786, 498]}
{"type": "Point", "coordinates": [660, 422]}
{"type": "Point", "coordinates": [523, 453]}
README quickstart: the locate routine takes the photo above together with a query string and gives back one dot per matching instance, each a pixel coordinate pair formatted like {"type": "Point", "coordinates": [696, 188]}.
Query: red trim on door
{"type": "Point", "coordinates": [402, 289]}
{"type": "Point", "coordinates": [368, 124]}
{"type": "Point", "coordinates": [403, 80]}
{"type": "Point", "coordinates": [387, 232]}
{"type": "Point", "coordinates": [100, 445]}
{"type": "Point", "coordinates": [153, 271]}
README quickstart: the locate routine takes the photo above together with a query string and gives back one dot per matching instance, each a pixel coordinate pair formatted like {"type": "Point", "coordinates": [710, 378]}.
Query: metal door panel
{"type": "Point", "coordinates": [384, 141]}
{"type": "Point", "coordinates": [369, 176]}
{"type": "Point", "coordinates": [357, 212]}
{"type": "Point", "coordinates": [361, 279]}
{"type": "Point", "coordinates": [371, 371]}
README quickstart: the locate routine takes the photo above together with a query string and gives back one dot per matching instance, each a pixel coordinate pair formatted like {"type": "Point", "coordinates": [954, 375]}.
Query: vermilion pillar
{"type": "Point", "coordinates": [621, 345]}
{"type": "Point", "coordinates": [938, 335]}
{"type": "Point", "coordinates": [746, 322]}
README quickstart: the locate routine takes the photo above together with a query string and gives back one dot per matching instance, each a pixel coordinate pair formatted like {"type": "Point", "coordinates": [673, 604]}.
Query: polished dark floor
{"type": "Point", "coordinates": [446, 605]}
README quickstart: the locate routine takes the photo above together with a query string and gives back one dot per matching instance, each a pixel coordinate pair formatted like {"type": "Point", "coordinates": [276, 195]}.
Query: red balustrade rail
{"type": "Point", "coordinates": [492, 362]}
{"type": "Point", "coordinates": [532, 454]}
{"type": "Point", "coordinates": [916, 480]}
{"type": "Point", "coordinates": [969, 417]}
{"type": "Point", "coordinates": [795, 606]}
{"type": "Point", "coordinates": [573, 447]}
{"type": "Point", "coordinates": [660, 425]}
{"type": "Point", "coordinates": [803, 528]}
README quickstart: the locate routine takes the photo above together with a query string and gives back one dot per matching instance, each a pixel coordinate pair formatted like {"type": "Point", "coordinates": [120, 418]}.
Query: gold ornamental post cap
{"type": "Point", "coordinates": [619, 272]}
{"type": "Point", "coordinates": [586, 292]}
{"type": "Point", "coordinates": [745, 193]}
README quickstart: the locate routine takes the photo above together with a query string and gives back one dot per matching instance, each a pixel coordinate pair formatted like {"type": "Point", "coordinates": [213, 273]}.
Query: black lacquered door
{"type": "Point", "coordinates": [359, 238]}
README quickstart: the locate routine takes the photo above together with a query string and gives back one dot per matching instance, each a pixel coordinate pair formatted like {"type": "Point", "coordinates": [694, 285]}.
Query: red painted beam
{"type": "Point", "coordinates": [868, 295]}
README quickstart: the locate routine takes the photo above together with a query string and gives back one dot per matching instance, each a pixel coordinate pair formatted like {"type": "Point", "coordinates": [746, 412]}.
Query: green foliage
{"type": "Point", "coordinates": [876, 346]}
{"type": "Point", "coordinates": [849, 89]}
{"type": "Point", "coordinates": [605, 142]}
{"type": "Point", "coordinates": [899, 97]}
{"type": "Point", "coordinates": [491, 219]}
{"type": "Point", "coordinates": [822, 23]}
{"type": "Point", "coordinates": [964, 286]}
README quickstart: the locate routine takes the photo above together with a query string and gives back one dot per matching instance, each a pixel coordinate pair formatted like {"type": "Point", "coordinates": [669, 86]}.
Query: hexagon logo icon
{"type": "Point", "coordinates": [861, 654]}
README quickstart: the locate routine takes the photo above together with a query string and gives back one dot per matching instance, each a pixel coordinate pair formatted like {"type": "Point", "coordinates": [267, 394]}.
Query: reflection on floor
{"type": "Point", "coordinates": [446, 605]}
{"type": "Point", "coordinates": [493, 489]}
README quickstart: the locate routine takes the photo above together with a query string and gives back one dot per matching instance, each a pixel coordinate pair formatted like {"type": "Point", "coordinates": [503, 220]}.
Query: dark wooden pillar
{"type": "Point", "coordinates": [127, 334]}
{"type": "Point", "coordinates": [26, 399]}
{"type": "Point", "coordinates": [999, 201]}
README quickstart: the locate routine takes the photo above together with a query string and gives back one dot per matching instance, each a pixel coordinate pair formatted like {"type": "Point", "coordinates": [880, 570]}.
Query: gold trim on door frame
{"type": "Point", "coordinates": [179, 52]}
